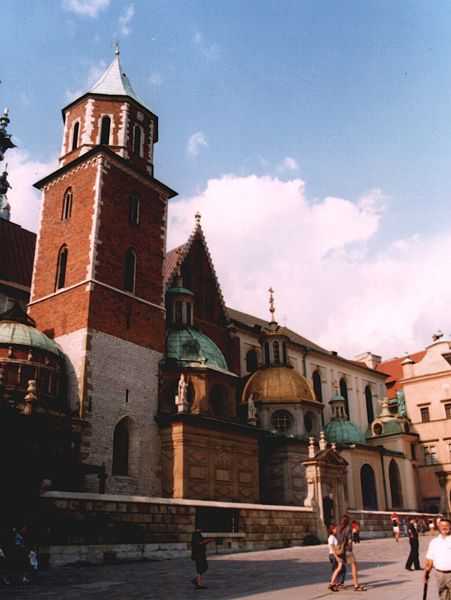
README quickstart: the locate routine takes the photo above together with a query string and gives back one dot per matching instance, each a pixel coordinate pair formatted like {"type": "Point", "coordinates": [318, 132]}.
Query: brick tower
{"type": "Point", "coordinates": [97, 281]}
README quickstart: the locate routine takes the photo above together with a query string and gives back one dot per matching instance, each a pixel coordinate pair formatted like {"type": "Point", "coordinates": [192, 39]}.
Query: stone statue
{"type": "Point", "coordinates": [402, 409]}
{"type": "Point", "coordinates": [181, 400]}
{"type": "Point", "coordinates": [4, 184]}
{"type": "Point", "coordinates": [251, 411]}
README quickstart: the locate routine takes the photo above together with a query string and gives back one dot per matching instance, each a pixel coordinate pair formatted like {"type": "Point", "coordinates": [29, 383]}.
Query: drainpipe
{"type": "Point", "coordinates": [383, 479]}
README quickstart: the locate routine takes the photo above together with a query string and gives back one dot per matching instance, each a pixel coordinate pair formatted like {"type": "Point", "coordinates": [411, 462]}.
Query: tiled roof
{"type": "Point", "coordinates": [16, 253]}
{"type": "Point", "coordinates": [170, 262]}
{"type": "Point", "coordinates": [394, 369]}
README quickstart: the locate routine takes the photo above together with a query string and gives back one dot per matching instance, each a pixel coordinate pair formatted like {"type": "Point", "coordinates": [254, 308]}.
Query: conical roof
{"type": "Point", "coordinates": [114, 82]}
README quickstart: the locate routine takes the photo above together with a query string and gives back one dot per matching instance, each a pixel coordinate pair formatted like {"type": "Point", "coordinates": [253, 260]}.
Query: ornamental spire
{"type": "Point", "coordinates": [5, 144]}
{"type": "Point", "coordinates": [272, 308]}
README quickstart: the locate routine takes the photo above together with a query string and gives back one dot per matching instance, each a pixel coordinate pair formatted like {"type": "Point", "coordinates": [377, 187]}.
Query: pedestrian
{"type": "Point", "coordinates": [413, 558]}
{"type": "Point", "coordinates": [395, 526]}
{"type": "Point", "coordinates": [438, 556]}
{"type": "Point", "coordinates": [199, 555]}
{"type": "Point", "coordinates": [355, 528]}
{"type": "Point", "coordinates": [345, 554]}
{"type": "Point", "coordinates": [332, 543]}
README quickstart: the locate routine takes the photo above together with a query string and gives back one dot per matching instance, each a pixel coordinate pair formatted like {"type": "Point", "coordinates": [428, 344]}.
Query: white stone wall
{"type": "Point", "coordinates": [74, 347]}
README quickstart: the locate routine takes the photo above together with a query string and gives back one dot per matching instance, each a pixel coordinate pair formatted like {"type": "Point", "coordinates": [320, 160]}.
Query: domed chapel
{"type": "Point", "coordinates": [169, 391]}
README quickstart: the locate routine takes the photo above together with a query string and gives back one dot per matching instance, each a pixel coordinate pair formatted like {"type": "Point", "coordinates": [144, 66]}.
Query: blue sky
{"type": "Point", "coordinates": [349, 97]}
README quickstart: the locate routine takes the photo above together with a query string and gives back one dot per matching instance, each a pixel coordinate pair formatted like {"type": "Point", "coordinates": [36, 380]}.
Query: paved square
{"type": "Point", "coordinates": [287, 574]}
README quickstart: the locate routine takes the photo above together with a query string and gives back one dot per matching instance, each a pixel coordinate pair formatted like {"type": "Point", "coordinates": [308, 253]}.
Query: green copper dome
{"type": "Point", "coordinates": [13, 333]}
{"type": "Point", "coordinates": [343, 432]}
{"type": "Point", "coordinates": [189, 345]}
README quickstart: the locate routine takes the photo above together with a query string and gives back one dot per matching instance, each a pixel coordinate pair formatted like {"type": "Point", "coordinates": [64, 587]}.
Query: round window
{"type": "Point", "coordinates": [377, 429]}
{"type": "Point", "coordinates": [282, 420]}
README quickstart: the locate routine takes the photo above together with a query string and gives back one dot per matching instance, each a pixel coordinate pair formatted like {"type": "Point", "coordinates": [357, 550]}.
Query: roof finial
{"type": "Point", "coordinates": [117, 49]}
{"type": "Point", "coordinates": [272, 308]}
{"type": "Point", "coordinates": [198, 217]}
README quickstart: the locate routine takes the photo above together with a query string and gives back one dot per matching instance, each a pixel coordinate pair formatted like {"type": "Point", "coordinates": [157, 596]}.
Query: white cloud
{"type": "Point", "coordinates": [95, 71]}
{"type": "Point", "coordinates": [196, 141]}
{"type": "Point", "coordinates": [155, 79]}
{"type": "Point", "coordinates": [288, 164]}
{"type": "Point", "coordinates": [23, 172]}
{"type": "Point", "coordinates": [263, 231]}
{"type": "Point", "coordinates": [86, 8]}
{"type": "Point", "coordinates": [125, 19]}
{"type": "Point", "coordinates": [209, 50]}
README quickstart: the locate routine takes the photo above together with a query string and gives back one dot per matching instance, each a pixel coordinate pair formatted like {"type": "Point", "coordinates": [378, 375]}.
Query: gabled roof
{"type": "Point", "coordinates": [114, 82]}
{"type": "Point", "coordinates": [17, 247]}
{"type": "Point", "coordinates": [394, 369]}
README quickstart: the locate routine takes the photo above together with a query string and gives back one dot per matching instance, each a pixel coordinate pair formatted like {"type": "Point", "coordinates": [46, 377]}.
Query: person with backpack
{"type": "Point", "coordinates": [344, 554]}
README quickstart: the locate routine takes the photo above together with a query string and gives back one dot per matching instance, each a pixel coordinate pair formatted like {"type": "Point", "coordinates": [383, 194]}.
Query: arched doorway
{"type": "Point", "coordinates": [369, 491]}
{"type": "Point", "coordinates": [395, 484]}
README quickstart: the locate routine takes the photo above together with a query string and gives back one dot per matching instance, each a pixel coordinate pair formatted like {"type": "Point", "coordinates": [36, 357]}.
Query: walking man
{"type": "Point", "coordinates": [438, 557]}
{"type": "Point", "coordinates": [413, 558]}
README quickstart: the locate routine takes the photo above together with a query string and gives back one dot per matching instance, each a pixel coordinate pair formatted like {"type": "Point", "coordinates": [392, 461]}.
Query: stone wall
{"type": "Point", "coordinates": [376, 524]}
{"type": "Point", "coordinates": [99, 527]}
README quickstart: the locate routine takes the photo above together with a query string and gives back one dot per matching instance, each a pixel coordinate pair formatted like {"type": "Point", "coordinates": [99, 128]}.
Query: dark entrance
{"type": "Point", "coordinates": [369, 491]}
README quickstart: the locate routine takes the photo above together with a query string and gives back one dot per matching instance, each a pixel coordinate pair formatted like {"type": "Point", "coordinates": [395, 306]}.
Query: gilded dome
{"type": "Point", "coordinates": [278, 385]}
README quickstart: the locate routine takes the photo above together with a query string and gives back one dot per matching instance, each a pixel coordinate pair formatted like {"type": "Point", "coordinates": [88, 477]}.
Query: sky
{"type": "Point", "coordinates": [314, 136]}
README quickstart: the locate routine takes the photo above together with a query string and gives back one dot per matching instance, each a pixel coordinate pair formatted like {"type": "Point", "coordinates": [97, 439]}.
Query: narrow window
{"type": "Point", "coordinates": [121, 448]}
{"type": "Point", "coordinates": [105, 130]}
{"type": "Point", "coordinates": [344, 393]}
{"type": "Point", "coordinates": [133, 209]}
{"type": "Point", "coordinates": [178, 312]}
{"type": "Point", "coordinates": [251, 361]}
{"type": "Point", "coordinates": [284, 353]}
{"type": "Point", "coordinates": [267, 360]}
{"type": "Point", "coordinates": [67, 205]}
{"type": "Point", "coordinates": [189, 314]}
{"type": "Point", "coordinates": [369, 404]}
{"type": "Point", "coordinates": [137, 140]}
{"type": "Point", "coordinates": [425, 416]}
{"type": "Point", "coordinates": [130, 270]}
{"type": "Point", "coordinates": [317, 386]}
{"type": "Point", "coordinates": [61, 267]}
{"type": "Point", "coordinates": [276, 350]}
{"type": "Point", "coordinates": [75, 135]}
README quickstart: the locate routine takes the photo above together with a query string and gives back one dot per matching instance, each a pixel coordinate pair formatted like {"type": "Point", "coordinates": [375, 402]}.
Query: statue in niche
{"type": "Point", "coordinates": [251, 411]}
{"type": "Point", "coordinates": [181, 400]}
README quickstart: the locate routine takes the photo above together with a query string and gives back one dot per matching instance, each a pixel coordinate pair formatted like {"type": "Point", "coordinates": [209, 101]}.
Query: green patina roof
{"type": "Point", "coordinates": [13, 333]}
{"type": "Point", "coordinates": [189, 345]}
{"type": "Point", "coordinates": [343, 432]}
{"type": "Point", "coordinates": [179, 290]}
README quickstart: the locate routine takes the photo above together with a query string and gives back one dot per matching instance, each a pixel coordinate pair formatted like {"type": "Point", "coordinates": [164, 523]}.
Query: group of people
{"type": "Point", "coordinates": [340, 542]}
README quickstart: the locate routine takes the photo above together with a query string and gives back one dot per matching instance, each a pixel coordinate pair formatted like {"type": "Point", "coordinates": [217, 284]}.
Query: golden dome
{"type": "Point", "coordinates": [278, 385]}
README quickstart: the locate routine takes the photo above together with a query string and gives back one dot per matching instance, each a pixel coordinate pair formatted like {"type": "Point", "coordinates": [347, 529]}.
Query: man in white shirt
{"type": "Point", "coordinates": [439, 557]}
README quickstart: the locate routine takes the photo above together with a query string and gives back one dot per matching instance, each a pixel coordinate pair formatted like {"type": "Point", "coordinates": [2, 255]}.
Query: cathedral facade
{"type": "Point", "coordinates": [173, 393]}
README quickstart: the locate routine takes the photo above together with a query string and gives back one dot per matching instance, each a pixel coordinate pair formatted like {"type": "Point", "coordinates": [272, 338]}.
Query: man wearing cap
{"type": "Point", "coordinates": [438, 557]}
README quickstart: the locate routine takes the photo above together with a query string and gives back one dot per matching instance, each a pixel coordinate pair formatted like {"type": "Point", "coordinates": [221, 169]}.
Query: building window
{"type": "Point", "coordinates": [60, 280]}
{"type": "Point", "coordinates": [178, 312]}
{"type": "Point", "coordinates": [317, 386]}
{"type": "Point", "coordinates": [189, 314]}
{"type": "Point", "coordinates": [430, 454]}
{"type": "Point", "coordinates": [395, 484]}
{"type": "Point", "coordinates": [309, 422]}
{"type": "Point", "coordinates": [67, 205]}
{"type": "Point", "coordinates": [251, 361]}
{"type": "Point", "coordinates": [130, 271]}
{"type": "Point", "coordinates": [218, 401]}
{"type": "Point", "coordinates": [137, 135]}
{"type": "Point", "coordinates": [448, 411]}
{"type": "Point", "coordinates": [369, 404]}
{"type": "Point", "coordinates": [121, 440]}
{"type": "Point", "coordinates": [281, 420]}
{"type": "Point", "coordinates": [284, 353]}
{"type": "Point", "coordinates": [344, 393]}
{"type": "Point", "coordinates": [75, 135]}
{"type": "Point", "coordinates": [105, 130]}
{"type": "Point", "coordinates": [276, 350]}
{"type": "Point", "coordinates": [424, 413]}
{"type": "Point", "coordinates": [368, 485]}
{"type": "Point", "coordinates": [267, 360]}
{"type": "Point", "coordinates": [133, 209]}
{"type": "Point", "coordinates": [449, 451]}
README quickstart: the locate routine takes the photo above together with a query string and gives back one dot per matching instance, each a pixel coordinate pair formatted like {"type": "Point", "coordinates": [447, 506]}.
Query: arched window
{"type": "Point", "coordinates": [137, 140]}
{"type": "Point", "coordinates": [66, 211]}
{"type": "Point", "coordinates": [281, 420]}
{"type": "Point", "coordinates": [369, 404]}
{"type": "Point", "coordinates": [317, 386]}
{"type": "Point", "coordinates": [133, 209]}
{"type": "Point", "coordinates": [344, 393]}
{"type": "Point", "coordinates": [251, 361]}
{"type": "Point", "coordinates": [105, 130]}
{"type": "Point", "coordinates": [369, 491]}
{"type": "Point", "coordinates": [395, 484]}
{"type": "Point", "coordinates": [276, 350]}
{"type": "Point", "coordinates": [121, 441]}
{"type": "Point", "coordinates": [130, 270]}
{"type": "Point", "coordinates": [218, 401]}
{"type": "Point", "coordinates": [267, 360]}
{"type": "Point", "coordinates": [61, 266]}
{"type": "Point", "coordinates": [75, 135]}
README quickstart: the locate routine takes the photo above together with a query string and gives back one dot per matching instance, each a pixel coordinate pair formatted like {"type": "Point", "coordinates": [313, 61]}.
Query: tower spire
{"type": "Point", "coordinates": [5, 144]}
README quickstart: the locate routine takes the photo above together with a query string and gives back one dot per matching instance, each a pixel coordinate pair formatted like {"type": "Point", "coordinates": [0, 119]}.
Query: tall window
{"type": "Point", "coordinates": [133, 209]}
{"type": "Point", "coordinates": [75, 135]}
{"type": "Point", "coordinates": [251, 361]}
{"type": "Point", "coordinates": [424, 413]}
{"type": "Point", "coordinates": [105, 130]}
{"type": "Point", "coordinates": [189, 314]}
{"type": "Point", "coordinates": [178, 312]}
{"type": "Point", "coordinates": [121, 440]}
{"type": "Point", "coordinates": [130, 270]}
{"type": "Point", "coordinates": [395, 484]}
{"type": "Point", "coordinates": [267, 361]}
{"type": "Point", "coordinates": [284, 353]}
{"type": "Point", "coordinates": [276, 350]}
{"type": "Point", "coordinates": [61, 266]}
{"type": "Point", "coordinates": [317, 387]}
{"type": "Point", "coordinates": [137, 140]}
{"type": "Point", "coordinates": [66, 211]}
{"type": "Point", "coordinates": [369, 404]}
{"type": "Point", "coordinates": [218, 401]}
{"type": "Point", "coordinates": [430, 454]}
{"type": "Point", "coordinates": [368, 485]}
{"type": "Point", "coordinates": [344, 393]}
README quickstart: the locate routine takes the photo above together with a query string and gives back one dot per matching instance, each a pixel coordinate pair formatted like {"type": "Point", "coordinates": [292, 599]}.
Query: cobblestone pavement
{"type": "Point", "coordinates": [287, 574]}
